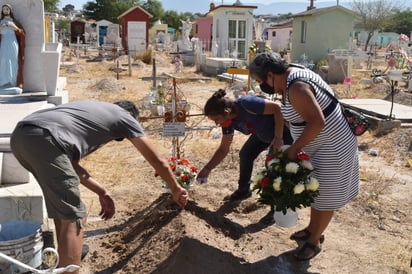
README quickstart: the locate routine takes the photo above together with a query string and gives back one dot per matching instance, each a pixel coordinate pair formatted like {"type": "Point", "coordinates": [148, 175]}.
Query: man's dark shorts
{"type": "Point", "coordinates": [40, 154]}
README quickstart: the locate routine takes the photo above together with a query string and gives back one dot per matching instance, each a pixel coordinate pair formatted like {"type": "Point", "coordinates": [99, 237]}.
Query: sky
{"type": "Point", "coordinates": [194, 5]}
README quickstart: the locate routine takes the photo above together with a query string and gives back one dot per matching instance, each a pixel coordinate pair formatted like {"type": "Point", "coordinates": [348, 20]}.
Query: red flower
{"type": "Point", "coordinates": [268, 158]}
{"type": "Point", "coordinates": [264, 182]}
{"type": "Point", "coordinates": [178, 173]}
{"type": "Point", "coordinates": [193, 169]}
{"type": "Point", "coordinates": [303, 156]}
{"type": "Point", "coordinates": [185, 178]}
{"type": "Point", "coordinates": [184, 162]}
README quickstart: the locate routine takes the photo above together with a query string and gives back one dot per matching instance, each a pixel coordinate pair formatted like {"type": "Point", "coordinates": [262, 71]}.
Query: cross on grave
{"type": "Point", "coordinates": [154, 78]}
{"type": "Point", "coordinates": [118, 69]}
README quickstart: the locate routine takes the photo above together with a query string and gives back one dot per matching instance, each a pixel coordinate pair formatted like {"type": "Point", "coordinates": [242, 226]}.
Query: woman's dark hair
{"type": "Point", "coordinates": [129, 106]}
{"type": "Point", "coordinates": [217, 104]}
{"type": "Point", "coordinates": [265, 62]}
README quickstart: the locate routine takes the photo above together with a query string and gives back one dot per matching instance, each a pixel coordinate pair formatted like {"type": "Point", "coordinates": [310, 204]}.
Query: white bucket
{"type": "Point", "coordinates": [286, 220]}
{"type": "Point", "coordinates": [21, 240]}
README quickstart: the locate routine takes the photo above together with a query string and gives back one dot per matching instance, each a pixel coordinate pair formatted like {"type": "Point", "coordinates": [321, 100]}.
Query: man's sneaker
{"type": "Point", "coordinates": [238, 195]}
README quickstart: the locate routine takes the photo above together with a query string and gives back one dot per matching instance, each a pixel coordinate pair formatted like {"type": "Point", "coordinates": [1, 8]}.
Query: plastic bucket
{"type": "Point", "coordinates": [21, 240]}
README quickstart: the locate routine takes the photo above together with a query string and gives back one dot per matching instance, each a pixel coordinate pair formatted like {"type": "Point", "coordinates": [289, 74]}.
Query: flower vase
{"type": "Point", "coordinates": [286, 220]}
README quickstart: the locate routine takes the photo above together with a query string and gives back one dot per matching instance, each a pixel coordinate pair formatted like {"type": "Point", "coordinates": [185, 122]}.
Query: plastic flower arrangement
{"type": "Point", "coordinates": [253, 49]}
{"type": "Point", "coordinates": [398, 57]}
{"type": "Point", "coordinates": [285, 183]}
{"type": "Point", "coordinates": [183, 170]}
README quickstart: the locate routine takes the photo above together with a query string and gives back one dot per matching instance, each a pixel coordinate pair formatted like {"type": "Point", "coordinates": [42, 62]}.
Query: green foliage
{"type": "Point", "coordinates": [155, 8]}
{"type": "Point", "coordinates": [63, 24]}
{"type": "Point", "coordinates": [401, 22]}
{"type": "Point", "coordinates": [174, 19]}
{"type": "Point", "coordinates": [107, 9]}
{"type": "Point", "coordinates": [68, 8]}
{"type": "Point", "coordinates": [50, 5]}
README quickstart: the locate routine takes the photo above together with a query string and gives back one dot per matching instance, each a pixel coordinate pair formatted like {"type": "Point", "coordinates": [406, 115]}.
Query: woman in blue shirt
{"type": "Point", "coordinates": [251, 115]}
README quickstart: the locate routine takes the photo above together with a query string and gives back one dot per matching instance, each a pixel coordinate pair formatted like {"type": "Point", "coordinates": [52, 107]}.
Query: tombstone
{"type": "Point", "coordinates": [340, 64]}
{"type": "Point", "coordinates": [113, 36]}
{"type": "Point", "coordinates": [42, 88]}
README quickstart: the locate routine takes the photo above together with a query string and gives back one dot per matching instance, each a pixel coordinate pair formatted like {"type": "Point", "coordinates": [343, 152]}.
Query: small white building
{"type": "Point", "coordinates": [102, 30]}
{"type": "Point", "coordinates": [232, 30]}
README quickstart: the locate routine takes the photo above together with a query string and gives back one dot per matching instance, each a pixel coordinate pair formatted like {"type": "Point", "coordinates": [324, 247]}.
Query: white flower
{"type": "Point", "coordinates": [276, 183]}
{"type": "Point", "coordinates": [306, 164]}
{"type": "Point", "coordinates": [259, 176]}
{"type": "Point", "coordinates": [284, 148]}
{"type": "Point", "coordinates": [313, 184]}
{"type": "Point", "coordinates": [273, 162]}
{"type": "Point", "coordinates": [299, 188]}
{"type": "Point", "coordinates": [292, 167]}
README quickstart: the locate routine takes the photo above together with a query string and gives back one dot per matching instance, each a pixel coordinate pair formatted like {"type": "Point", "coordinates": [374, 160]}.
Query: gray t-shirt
{"type": "Point", "coordinates": [82, 127]}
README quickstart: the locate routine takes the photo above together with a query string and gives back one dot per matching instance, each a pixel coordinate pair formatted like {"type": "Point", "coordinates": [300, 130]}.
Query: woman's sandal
{"type": "Point", "coordinates": [307, 252]}
{"type": "Point", "coordinates": [305, 236]}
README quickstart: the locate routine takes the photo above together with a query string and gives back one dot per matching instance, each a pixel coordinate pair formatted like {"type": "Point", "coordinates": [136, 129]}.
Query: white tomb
{"type": "Point", "coordinates": [20, 195]}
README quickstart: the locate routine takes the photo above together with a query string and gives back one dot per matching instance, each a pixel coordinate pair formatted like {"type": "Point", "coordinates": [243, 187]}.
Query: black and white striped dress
{"type": "Point", "coordinates": [334, 152]}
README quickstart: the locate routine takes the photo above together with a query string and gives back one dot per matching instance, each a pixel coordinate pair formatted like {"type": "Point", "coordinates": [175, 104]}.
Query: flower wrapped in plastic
{"type": "Point", "coordinates": [183, 170]}
{"type": "Point", "coordinates": [398, 54]}
{"type": "Point", "coordinates": [285, 183]}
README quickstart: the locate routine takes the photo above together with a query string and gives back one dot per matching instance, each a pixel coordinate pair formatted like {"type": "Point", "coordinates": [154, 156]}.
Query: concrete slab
{"type": "Point", "coordinates": [22, 202]}
{"type": "Point", "coordinates": [381, 109]}
{"type": "Point", "coordinates": [11, 112]}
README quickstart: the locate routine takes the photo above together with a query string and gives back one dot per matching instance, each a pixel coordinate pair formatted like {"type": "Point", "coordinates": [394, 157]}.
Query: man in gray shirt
{"type": "Point", "coordinates": [50, 143]}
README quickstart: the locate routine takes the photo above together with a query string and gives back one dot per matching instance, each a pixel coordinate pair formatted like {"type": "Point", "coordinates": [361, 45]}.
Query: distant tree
{"type": "Point", "coordinates": [401, 22]}
{"type": "Point", "coordinates": [155, 8]}
{"type": "Point", "coordinates": [107, 9]}
{"type": "Point", "coordinates": [63, 25]}
{"type": "Point", "coordinates": [68, 9]}
{"type": "Point", "coordinates": [50, 5]}
{"type": "Point", "coordinates": [374, 15]}
{"type": "Point", "coordinates": [173, 19]}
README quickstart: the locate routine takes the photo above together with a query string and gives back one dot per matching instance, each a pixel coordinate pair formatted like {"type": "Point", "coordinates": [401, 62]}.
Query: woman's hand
{"type": "Point", "coordinates": [277, 143]}
{"type": "Point", "coordinates": [203, 175]}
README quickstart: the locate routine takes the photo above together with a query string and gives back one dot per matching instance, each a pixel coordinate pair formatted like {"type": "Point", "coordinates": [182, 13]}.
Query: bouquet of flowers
{"type": "Point", "coordinates": [398, 57]}
{"type": "Point", "coordinates": [285, 183]}
{"type": "Point", "coordinates": [183, 170]}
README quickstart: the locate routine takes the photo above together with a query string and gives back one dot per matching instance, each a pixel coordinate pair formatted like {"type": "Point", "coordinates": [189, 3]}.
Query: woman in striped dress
{"type": "Point", "coordinates": [318, 128]}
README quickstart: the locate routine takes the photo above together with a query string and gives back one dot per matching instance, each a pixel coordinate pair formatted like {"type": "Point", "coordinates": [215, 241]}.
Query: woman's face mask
{"type": "Point", "coordinates": [266, 88]}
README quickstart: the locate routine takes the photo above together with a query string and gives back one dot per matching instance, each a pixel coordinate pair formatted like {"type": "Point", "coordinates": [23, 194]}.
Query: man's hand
{"type": "Point", "coordinates": [107, 204]}
{"type": "Point", "coordinates": [180, 196]}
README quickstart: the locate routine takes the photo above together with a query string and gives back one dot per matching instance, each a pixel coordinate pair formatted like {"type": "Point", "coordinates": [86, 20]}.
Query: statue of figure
{"type": "Point", "coordinates": [186, 28]}
{"type": "Point", "coordinates": [12, 44]}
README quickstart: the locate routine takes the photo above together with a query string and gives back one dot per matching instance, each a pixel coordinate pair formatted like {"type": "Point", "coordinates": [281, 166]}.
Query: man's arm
{"type": "Point", "coordinates": [106, 201]}
{"type": "Point", "coordinates": [145, 147]}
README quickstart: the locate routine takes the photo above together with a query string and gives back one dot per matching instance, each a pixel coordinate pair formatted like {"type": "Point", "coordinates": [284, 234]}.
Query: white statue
{"type": "Point", "coordinates": [186, 28]}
